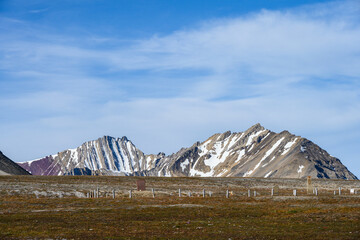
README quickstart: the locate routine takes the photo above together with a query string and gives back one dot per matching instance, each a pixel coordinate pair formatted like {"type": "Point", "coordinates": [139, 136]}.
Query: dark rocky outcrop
{"type": "Point", "coordinates": [8, 167]}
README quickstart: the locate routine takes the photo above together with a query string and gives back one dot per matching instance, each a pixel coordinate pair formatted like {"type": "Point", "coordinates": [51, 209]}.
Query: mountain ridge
{"type": "Point", "coordinates": [256, 152]}
{"type": "Point", "coordinates": [9, 167]}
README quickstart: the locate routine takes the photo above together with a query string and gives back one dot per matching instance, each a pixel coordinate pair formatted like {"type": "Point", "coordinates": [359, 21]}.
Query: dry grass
{"type": "Point", "coordinates": [167, 216]}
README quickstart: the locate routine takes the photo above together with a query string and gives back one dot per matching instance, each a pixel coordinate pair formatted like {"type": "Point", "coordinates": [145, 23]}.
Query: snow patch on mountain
{"type": "Point", "coordinates": [268, 174]}
{"type": "Point", "coordinates": [184, 164]}
{"type": "Point", "coordinates": [253, 136]}
{"type": "Point", "coordinates": [268, 153]}
{"type": "Point", "coordinates": [288, 146]}
{"type": "Point", "coordinates": [241, 154]}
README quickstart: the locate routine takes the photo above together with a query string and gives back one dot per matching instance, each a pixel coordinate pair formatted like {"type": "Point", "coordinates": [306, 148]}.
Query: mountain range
{"type": "Point", "coordinates": [256, 152]}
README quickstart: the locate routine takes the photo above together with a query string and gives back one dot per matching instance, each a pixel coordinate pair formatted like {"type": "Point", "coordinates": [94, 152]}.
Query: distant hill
{"type": "Point", "coordinates": [8, 167]}
{"type": "Point", "coordinates": [256, 152]}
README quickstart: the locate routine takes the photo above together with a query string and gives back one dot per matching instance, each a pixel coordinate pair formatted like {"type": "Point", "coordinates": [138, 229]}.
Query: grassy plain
{"type": "Point", "coordinates": [168, 216]}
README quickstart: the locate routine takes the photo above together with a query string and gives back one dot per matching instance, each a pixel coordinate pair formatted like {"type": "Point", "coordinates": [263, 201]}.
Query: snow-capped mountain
{"type": "Point", "coordinates": [257, 152]}
{"type": "Point", "coordinates": [104, 155]}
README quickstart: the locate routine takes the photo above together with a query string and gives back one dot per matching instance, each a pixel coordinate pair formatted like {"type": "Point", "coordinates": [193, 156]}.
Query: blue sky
{"type": "Point", "coordinates": [169, 73]}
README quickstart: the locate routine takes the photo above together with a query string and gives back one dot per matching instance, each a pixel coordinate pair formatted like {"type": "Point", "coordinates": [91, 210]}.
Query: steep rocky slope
{"type": "Point", "coordinates": [8, 167]}
{"type": "Point", "coordinates": [257, 152]}
{"type": "Point", "coordinates": [105, 155]}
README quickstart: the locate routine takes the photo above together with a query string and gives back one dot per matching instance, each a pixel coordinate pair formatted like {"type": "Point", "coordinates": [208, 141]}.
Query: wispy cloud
{"type": "Point", "coordinates": [35, 11]}
{"type": "Point", "coordinates": [261, 47]}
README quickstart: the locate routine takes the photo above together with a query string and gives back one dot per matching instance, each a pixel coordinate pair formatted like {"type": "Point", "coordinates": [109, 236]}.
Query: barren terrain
{"type": "Point", "coordinates": [34, 207]}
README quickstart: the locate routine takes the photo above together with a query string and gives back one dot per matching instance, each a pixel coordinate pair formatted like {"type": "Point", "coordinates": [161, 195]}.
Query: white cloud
{"type": "Point", "coordinates": [295, 70]}
{"type": "Point", "coordinates": [268, 43]}
{"type": "Point", "coordinates": [280, 43]}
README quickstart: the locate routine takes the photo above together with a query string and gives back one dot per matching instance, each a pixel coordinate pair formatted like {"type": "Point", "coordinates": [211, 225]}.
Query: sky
{"type": "Point", "coordinates": [169, 73]}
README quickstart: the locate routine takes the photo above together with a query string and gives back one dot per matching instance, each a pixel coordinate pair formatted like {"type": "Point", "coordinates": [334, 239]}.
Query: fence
{"type": "Point", "coordinates": [226, 193]}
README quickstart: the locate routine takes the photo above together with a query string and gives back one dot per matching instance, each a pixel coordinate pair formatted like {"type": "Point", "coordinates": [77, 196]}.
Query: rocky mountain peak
{"type": "Point", "coordinates": [223, 136]}
{"type": "Point", "coordinates": [124, 139]}
{"type": "Point", "coordinates": [256, 128]}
